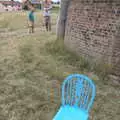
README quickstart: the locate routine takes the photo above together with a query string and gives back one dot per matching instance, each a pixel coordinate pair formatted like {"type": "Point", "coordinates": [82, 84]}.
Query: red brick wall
{"type": "Point", "coordinates": [93, 30]}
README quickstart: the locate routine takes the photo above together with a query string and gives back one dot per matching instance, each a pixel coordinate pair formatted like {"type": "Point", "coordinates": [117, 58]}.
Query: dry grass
{"type": "Point", "coordinates": [29, 65]}
{"type": "Point", "coordinates": [18, 20]}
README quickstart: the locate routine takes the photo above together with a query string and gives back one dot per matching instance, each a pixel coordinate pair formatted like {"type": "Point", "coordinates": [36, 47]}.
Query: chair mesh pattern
{"type": "Point", "coordinates": [78, 90]}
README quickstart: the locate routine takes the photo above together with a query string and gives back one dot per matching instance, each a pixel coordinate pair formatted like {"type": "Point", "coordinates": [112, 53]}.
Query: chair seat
{"type": "Point", "coordinates": [71, 113]}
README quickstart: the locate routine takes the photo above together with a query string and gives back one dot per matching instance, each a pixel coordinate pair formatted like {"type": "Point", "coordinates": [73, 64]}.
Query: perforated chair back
{"type": "Point", "coordinates": [78, 91]}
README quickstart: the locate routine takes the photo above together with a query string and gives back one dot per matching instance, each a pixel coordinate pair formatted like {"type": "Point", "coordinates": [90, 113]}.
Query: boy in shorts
{"type": "Point", "coordinates": [31, 19]}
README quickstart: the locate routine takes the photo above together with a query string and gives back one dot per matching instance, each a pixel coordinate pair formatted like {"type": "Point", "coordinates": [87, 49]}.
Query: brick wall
{"type": "Point", "coordinates": [93, 30]}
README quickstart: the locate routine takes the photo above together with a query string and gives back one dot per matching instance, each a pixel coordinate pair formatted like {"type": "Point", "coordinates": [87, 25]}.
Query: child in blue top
{"type": "Point", "coordinates": [31, 19]}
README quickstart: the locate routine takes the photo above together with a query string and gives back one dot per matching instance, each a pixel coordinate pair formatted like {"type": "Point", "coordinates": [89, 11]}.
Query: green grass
{"type": "Point", "coordinates": [29, 65]}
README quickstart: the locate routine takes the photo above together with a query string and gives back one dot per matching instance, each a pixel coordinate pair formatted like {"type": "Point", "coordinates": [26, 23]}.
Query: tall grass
{"type": "Point", "coordinates": [58, 50]}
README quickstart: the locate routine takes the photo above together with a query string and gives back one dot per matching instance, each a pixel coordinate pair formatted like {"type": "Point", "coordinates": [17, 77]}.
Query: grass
{"type": "Point", "coordinates": [30, 64]}
{"type": "Point", "coordinates": [58, 51]}
{"type": "Point", "coordinates": [18, 20]}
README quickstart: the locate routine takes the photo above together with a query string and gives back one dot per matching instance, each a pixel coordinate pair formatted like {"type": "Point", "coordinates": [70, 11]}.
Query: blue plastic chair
{"type": "Point", "coordinates": [78, 93]}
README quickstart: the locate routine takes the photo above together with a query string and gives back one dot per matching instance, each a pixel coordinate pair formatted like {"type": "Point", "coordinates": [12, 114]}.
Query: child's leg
{"type": "Point", "coordinates": [32, 27]}
{"type": "Point", "coordinates": [49, 23]}
{"type": "Point", "coordinates": [46, 23]}
{"type": "Point", "coordinates": [29, 29]}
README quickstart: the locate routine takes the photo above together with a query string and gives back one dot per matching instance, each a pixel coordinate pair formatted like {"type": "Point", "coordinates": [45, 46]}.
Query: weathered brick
{"type": "Point", "coordinates": [93, 29]}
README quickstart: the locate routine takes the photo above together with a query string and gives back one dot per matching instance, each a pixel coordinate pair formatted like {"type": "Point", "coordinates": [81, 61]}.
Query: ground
{"type": "Point", "coordinates": [32, 68]}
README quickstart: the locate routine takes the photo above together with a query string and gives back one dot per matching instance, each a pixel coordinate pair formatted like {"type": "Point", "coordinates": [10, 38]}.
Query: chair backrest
{"type": "Point", "coordinates": [78, 90]}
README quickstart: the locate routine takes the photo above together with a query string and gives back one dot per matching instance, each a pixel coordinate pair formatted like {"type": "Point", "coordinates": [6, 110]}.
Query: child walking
{"type": "Point", "coordinates": [47, 21]}
{"type": "Point", "coordinates": [47, 15]}
{"type": "Point", "coordinates": [31, 19]}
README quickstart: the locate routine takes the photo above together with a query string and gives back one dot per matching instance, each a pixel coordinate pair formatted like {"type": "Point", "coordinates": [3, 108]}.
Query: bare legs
{"type": "Point", "coordinates": [31, 27]}
{"type": "Point", "coordinates": [48, 23]}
